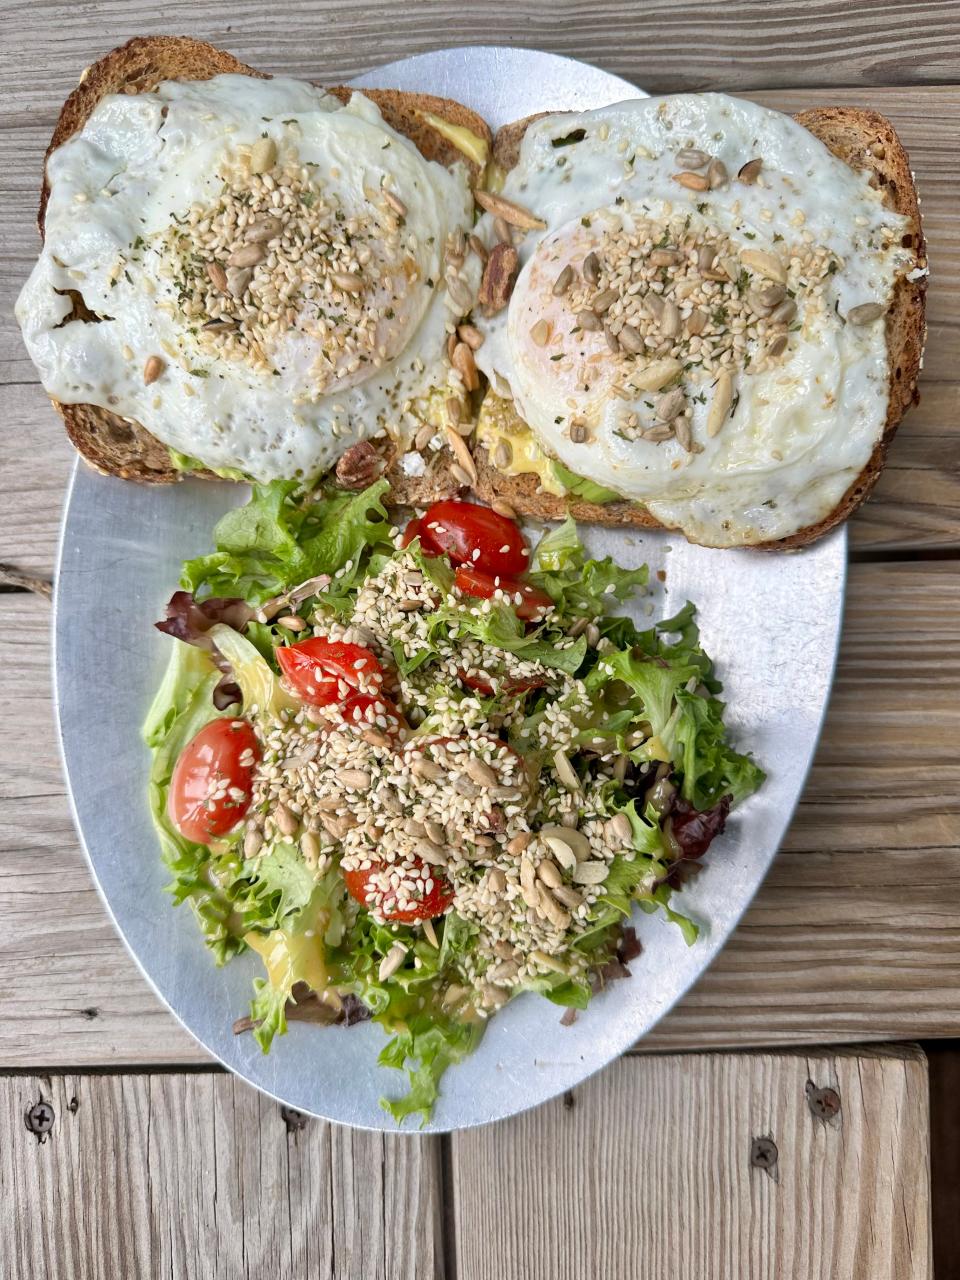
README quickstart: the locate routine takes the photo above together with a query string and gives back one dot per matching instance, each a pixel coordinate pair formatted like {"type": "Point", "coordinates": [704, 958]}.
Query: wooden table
{"type": "Point", "coordinates": [854, 937]}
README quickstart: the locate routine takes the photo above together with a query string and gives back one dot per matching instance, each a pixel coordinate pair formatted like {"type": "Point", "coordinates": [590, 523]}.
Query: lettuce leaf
{"type": "Point", "coordinates": [428, 1044]}
{"type": "Point", "coordinates": [579, 487]}
{"type": "Point", "coordinates": [279, 539]}
{"type": "Point", "coordinates": [577, 585]}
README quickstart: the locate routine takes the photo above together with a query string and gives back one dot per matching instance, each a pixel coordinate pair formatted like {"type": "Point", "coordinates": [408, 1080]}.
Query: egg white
{"type": "Point", "coordinates": [803, 426]}
{"type": "Point", "coordinates": [132, 173]}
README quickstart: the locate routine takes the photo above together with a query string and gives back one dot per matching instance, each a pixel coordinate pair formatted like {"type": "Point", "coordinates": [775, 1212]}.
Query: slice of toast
{"type": "Point", "coordinates": [119, 446]}
{"type": "Point", "coordinates": [862, 139]}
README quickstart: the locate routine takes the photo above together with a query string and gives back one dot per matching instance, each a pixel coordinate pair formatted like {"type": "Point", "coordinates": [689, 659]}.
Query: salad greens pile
{"type": "Point", "coordinates": [309, 932]}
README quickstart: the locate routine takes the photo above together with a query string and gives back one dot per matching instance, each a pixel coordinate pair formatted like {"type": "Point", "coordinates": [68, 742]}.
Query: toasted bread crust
{"type": "Point", "coordinates": [862, 139]}
{"type": "Point", "coordinates": [115, 445]}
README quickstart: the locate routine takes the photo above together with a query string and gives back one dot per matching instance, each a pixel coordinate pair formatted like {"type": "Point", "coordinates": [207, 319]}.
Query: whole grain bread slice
{"type": "Point", "coordinates": [862, 139]}
{"type": "Point", "coordinates": [119, 446]}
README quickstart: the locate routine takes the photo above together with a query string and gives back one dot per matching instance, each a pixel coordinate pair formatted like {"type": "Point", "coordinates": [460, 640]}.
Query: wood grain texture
{"type": "Point", "coordinates": [199, 1177]}
{"type": "Point", "coordinates": [854, 936]}
{"type": "Point", "coordinates": [645, 1171]}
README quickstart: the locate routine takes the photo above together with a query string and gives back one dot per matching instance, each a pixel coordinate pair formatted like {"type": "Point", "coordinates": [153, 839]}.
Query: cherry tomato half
{"type": "Point", "coordinates": [417, 529]}
{"type": "Point", "coordinates": [534, 602]}
{"type": "Point", "coordinates": [314, 668]}
{"type": "Point", "coordinates": [356, 706]}
{"type": "Point", "coordinates": [470, 534]}
{"type": "Point", "coordinates": [512, 684]}
{"type": "Point", "coordinates": [431, 904]}
{"type": "Point", "coordinates": [212, 782]}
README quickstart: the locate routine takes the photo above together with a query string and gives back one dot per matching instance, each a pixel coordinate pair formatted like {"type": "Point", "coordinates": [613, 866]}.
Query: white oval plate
{"type": "Point", "coordinates": [771, 622]}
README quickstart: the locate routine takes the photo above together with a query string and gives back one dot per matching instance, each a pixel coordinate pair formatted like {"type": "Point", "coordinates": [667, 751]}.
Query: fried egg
{"type": "Point", "coordinates": [255, 272]}
{"type": "Point", "coordinates": [699, 325]}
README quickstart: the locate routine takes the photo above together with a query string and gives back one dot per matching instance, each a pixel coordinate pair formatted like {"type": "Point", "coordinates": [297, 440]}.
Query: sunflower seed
{"type": "Point", "coordinates": [503, 509]}
{"type": "Point", "coordinates": [589, 322]}
{"type": "Point", "coordinates": [427, 769]}
{"type": "Point", "coordinates": [591, 269]}
{"type": "Point", "coordinates": [220, 326]}
{"type": "Point", "coordinates": [656, 374]}
{"type": "Point", "coordinates": [459, 294]}
{"type": "Point", "coordinates": [620, 829]}
{"type": "Point", "coordinates": [658, 434]}
{"type": "Point", "coordinates": [604, 301]}
{"type": "Point", "coordinates": [653, 305]}
{"type": "Point", "coordinates": [612, 341]}
{"type": "Point", "coordinates": [287, 822]}
{"type": "Point", "coordinates": [496, 881]}
{"type": "Point", "coordinates": [563, 281]}
{"type": "Point", "coordinates": [717, 174]}
{"type": "Point", "coordinates": [519, 842]}
{"type": "Point", "coordinates": [706, 256]}
{"type": "Point", "coordinates": [252, 842]}
{"type": "Point", "coordinates": [464, 363]}
{"type": "Point", "coordinates": [248, 255]}
{"type": "Point", "coordinates": [681, 429]}
{"type": "Point", "coordinates": [310, 848]}
{"type": "Point", "coordinates": [217, 276]}
{"type": "Point", "coordinates": [348, 281]}
{"type": "Point", "coordinates": [549, 873]}
{"type": "Point", "coordinates": [292, 622]}
{"type": "Point", "coordinates": [359, 779]}
{"type": "Point", "coordinates": [502, 455]}
{"type": "Point", "coordinates": [670, 319]}
{"type": "Point", "coordinates": [565, 770]}
{"type": "Point", "coordinates": [552, 909]}
{"type": "Point", "coordinates": [478, 247]}
{"type": "Point", "coordinates": [562, 851]}
{"type": "Point", "coordinates": [691, 158]}
{"type": "Point", "coordinates": [480, 772]}
{"type": "Point", "coordinates": [630, 339]}
{"type": "Point", "coordinates": [238, 278]}
{"type": "Point", "coordinates": [540, 333]}
{"type": "Point", "coordinates": [430, 933]}
{"type": "Point", "coordinates": [692, 181]}
{"type": "Point", "coordinates": [153, 369]}
{"type": "Point", "coordinates": [785, 313]}
{"type": "Point", "coordinates": [493, 997]}
{"type": "Point", "coordinates": [765, 264]}
{"type": "Point", "coordinates": [696, 321]}
{"type": "Point", "coordinates": [592, 634]}
{"type": "Point", "coordinates": [502, 231]}
{"type": "Point", "coordinates": [865, 313]}
{"type": "Point", "coordinates": [462, 454]}
{"type": "Point", "coordinates": [664, 257]}
{"type": "Point", "coordinates": [395, 203]}
{"type": "Point", "coordinates": [776, 346]}
{"type": "Point", "coordinates": [670, 404]}
{"type": "Point", "coordinates": [579, 434]}
{"type": "Point", "coordinates": [720, 404]}
{"type": "Point", "coordinates": [513, 214]}
{"type": "Point", "coordinates": [453, 993]}
{"type": "Point", "coordinates": [263, 229]}
{"type": "Point", "coordinates": [750, 171]}
{"type": "Point", "coordinates": [568, 896]}
{"type": "Point", "coordinates": [730, 268]}
{"type": "Point", "coordinates": [392, 961]}
{"type": "Point", "coordinates": [528, 873]}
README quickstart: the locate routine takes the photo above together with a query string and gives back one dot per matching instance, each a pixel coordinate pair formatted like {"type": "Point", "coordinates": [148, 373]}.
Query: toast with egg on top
{"type": "Point", "coordinates": [441, 129]}
{"type": "Point", "coordinates": [862, 139]}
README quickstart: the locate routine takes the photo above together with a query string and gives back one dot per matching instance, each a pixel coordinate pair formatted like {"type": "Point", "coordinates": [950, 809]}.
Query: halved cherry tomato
{"type": "Point", "coordinates": [512, 684]}
{"type": "Point", "coordinates": [314, 668]}
{"type": "Point", "coordinates": [417, 529]}
{"type": "Point", "coordinates": [356, 706]}
{"type": "Point", "coordinates": [470, 534]}
{"type": "Point", "coordinates": [430, 905]}
{"type": "Point", "coordinates": [534, 602]}
{"type": "Point", "coordinates": [212, 782]}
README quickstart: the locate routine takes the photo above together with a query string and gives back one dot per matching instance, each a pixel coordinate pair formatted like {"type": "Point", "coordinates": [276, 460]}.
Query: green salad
{"type": "Point", "coordinates": [422, 771]}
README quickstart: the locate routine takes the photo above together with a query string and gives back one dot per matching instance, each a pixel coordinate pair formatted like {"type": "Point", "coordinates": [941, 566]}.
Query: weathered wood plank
{"type": "Point", "coordinates": [198, 1175]}
{"type": "Point", "coordinates": [855, 934]}
{"type": "Point", "coordinates": [645, 1171]}
{"type": "Point", "coordinates": [664, 44]}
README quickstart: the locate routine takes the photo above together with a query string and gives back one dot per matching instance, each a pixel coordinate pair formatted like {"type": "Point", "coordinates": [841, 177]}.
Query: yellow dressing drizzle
{"type": "Point", "coordinates": [498, 422]}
